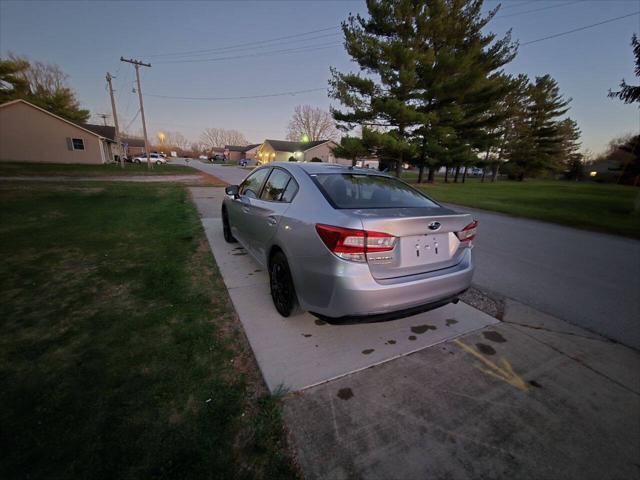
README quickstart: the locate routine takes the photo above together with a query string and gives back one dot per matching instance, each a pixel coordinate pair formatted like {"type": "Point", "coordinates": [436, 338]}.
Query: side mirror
{"type": "Point", "coordinates": [232, 190]}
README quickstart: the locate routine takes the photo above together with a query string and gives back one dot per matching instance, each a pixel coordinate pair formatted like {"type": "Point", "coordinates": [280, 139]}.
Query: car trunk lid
{"type": "Point", "coordinates": [425, 239]}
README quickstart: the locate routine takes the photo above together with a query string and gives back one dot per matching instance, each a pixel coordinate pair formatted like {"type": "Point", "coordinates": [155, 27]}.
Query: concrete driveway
{"type": "Point", "coordinates": [450, 394]}
{"type": "Point", "coordinates": [302, 351]}
{"type": "Point", "coordinates": [530, 398]}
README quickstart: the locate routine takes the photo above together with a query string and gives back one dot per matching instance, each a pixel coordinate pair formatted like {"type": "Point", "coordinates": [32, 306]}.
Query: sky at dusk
{"type": "Point", "coordinates": [87, 39]}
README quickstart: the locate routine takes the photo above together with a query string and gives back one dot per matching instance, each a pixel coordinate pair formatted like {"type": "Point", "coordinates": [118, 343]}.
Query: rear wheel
{"type": "Point", "coordinates": [283, 293]}
{"type": "Point", "coordinates": [226, 228]}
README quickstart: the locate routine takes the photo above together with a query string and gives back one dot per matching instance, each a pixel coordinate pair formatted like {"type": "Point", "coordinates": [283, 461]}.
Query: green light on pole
{"type": "Point", "coordinates": [305, 138]}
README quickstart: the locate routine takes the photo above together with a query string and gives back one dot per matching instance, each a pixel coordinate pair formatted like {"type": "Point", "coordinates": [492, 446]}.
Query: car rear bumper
{"type": "Point", "coordinates": [346, 291]}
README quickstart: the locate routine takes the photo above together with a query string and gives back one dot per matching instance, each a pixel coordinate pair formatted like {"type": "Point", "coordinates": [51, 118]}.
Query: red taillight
{"type": "Point", "coordinates": [353, 244]}
{"type": "Point", "coordinates": [468, 233]}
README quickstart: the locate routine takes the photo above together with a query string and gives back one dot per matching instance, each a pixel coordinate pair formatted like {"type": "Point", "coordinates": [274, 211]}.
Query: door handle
{"type": "Point", "coordinates": [271, 220]}
{"type": "Point", "coordinates": [245, 209]}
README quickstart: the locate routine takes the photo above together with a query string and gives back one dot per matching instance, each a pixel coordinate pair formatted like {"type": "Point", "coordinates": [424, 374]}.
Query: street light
{"type": "Point", "coordinates": [162, 136]}
{"type": "Point", "coordinates": [304, 138]}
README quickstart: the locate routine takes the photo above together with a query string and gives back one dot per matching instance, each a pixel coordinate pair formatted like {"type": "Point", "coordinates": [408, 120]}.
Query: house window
{"type": "Point", "coordinates": [78, 143]}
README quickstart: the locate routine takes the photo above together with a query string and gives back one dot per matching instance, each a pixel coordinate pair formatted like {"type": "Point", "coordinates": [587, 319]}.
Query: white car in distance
{"type": "Point", "coordinates": [155, 158]}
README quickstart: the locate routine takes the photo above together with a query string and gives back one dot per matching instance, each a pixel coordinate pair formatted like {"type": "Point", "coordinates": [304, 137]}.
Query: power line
{"type": "Point", "coordinates": [580, 28]}
{"type": "Point", "coordinates": [307, 48]}
{"type": "Point", "coordinates": [132, 120]}
{"type": "Point", "coordinates": [503, 7]}
{"type": "Point", "coordinates": [238, 49]}
{"type": "Point", "coordinates": [259, 42]}
{"type": "Point", "coordinates": [281, 94]}
{"type": "Point", "coordinates": [538, 9]}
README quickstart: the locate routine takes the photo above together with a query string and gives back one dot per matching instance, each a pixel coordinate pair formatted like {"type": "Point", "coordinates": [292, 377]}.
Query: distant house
{"type": "Point", "coordinates": [133, 146]}
{"type": "Point", "coordinates": [237, 152]}
{"type": "Point", "coordinates": [29, 133]}
{"type": "Point", "coordinates": [251, 153]}
{"type": "Point", "coordinates": [284, 151]}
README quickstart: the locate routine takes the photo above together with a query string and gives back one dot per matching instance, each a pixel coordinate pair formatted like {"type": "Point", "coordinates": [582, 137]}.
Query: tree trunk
{"type": "Point", "coordinates": [423, 157]}
{"type": "Point", "coordinates": [496, 171]}
{"type": "Point", "coordinates": [446, 174]}
{"type": "Point", "coordinates": [401, 159]}
{"type": "Point", "coordinates": [521, 177]}
{"type": "Point", "coordinates": [432, 173]}
{"type": "Point", "coordinates": [354, 161]}
{"type": "Point", "coordinates": [484, 167]}
{"type": "Point", "coordinates": [455, 178]}
{"type": "Point", "coordinates": [464, 175]}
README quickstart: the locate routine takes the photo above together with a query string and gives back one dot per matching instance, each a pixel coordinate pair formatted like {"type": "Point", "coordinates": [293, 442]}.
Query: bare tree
{"type": "Point", "coordinates": [311, 123]}
{"type": "Point", "coordinates": [197, 147]}
{"type": "Point", "coordinates": [46, 86]}
{"type": "Point", "coordinates": [177, 139]}
{"type": "Point", "coordinates": [219, 137]}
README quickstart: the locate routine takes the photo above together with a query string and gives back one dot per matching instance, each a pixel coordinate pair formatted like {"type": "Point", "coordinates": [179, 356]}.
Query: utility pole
{"type": "Point", "coordinates": [137, 63]}
{"type": "Point", "coordinates": [115, 119]}
{"type": "Point", "coordinates": [103, 116]}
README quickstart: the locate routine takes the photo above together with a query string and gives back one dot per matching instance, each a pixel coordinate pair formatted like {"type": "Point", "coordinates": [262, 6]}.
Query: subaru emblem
{"type": "Point", "coordinates": [434, 225]}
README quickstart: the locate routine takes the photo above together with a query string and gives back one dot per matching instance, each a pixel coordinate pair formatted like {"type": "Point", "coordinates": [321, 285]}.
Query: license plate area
{"type": "Point", "coordinates": [424, 249]}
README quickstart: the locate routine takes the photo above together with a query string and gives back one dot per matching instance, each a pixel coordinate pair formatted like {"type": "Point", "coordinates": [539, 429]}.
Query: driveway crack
{"type": "Point", "coordinates": [550, 330]}
{"type": "Point", "coordinates": [582, 363]}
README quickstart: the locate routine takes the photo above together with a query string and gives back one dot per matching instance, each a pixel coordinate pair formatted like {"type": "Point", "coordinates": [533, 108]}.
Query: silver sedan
{"type": "Point", "coordinates": [349, 244]}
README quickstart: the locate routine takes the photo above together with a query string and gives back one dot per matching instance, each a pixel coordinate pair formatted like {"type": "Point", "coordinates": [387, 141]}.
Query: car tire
{"type": "Point", "coordinates": [226, 228]}
{"type": "Point", "coordinates": [283, 292]}
{"type": "Point", "coordinates": [158, 162]}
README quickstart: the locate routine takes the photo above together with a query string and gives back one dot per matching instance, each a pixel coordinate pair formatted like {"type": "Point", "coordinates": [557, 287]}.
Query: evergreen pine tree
{"type": "Point", "coordinates": [536, 143]}
{"type": "Point", "coordinates": [571, 157]}
{"type": "Point", "coordinates": [460, 80]}
{"type": "Point", "coordinates": [630, 93]}
{"type": "Point", "coordinates": [387, 46]}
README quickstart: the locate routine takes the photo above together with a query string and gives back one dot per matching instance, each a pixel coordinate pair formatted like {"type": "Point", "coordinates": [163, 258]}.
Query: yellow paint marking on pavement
{"type": "Point", "coordinates": [505, 373]}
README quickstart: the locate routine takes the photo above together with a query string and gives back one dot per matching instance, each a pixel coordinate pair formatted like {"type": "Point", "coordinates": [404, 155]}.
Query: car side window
{"type": "Point", "coordinates": [251, 185]}
{"type": "Point", "coordinates": [276, 185]}
{"type": "Point", "coordinates": [290, 191]}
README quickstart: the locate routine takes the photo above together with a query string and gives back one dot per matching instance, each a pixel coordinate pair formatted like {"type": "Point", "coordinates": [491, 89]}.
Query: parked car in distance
{"type": "Point", "coordinates": [203, 157]}
{"type": "Point", "coordinates": [218, 157]}
{"type": "Point", "coordinates": [349, 244]}
{"type": "Point", "coordinates": [156, 158]}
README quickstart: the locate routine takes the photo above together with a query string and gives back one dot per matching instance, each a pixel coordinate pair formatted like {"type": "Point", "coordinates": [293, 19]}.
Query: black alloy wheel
{"type": "Point", "coordinates": [283, 293]}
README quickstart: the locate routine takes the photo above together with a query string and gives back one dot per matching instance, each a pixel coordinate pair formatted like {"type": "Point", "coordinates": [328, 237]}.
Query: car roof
{"type": "Point", "coordinates": [321, 167]}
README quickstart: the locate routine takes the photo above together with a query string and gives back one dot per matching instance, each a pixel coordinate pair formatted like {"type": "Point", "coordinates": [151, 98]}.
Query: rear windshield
{"type": "Point", "coordinates": [352, 190]}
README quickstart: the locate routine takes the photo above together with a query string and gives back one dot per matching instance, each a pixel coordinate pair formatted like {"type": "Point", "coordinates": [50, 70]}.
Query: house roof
{"type": "Point", "coordinates": [241, 148]}
{"type": "Point", "coordinates": [286, 146]}
{"type": "Point", "coordinates": [105, 131]}
{"type": "Point", "coordinates": [133, 142]}
{"type": "Point", "coordinates": [20, 100]}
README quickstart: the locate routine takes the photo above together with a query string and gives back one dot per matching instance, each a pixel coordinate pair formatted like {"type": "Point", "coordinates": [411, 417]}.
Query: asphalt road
{"type": "Point", "coordinates": [586, 278]}
{"type": "Point", "coordinates": [232, 175]}
{"type": "Point", "coordinates": [589, 279]}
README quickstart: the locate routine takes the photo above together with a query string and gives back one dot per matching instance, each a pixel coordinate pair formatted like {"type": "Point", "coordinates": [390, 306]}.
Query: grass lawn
{"type": "Point", "coordinates": [19, 169]}
{"type": "Point", "coordinates": [605, 208]}
{"type": "Point", "coordinates": [120, 356]}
